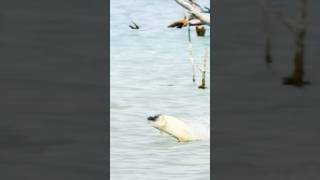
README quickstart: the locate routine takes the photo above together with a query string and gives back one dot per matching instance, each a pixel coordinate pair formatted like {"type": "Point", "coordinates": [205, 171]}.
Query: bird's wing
{"type": "Point", "coordinates": [135, 25]}
{"type": "Point", "coordinates": [178, 24]}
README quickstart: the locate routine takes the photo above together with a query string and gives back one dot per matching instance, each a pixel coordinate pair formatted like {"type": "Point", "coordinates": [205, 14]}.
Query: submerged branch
{"type": "Point", "coordinates": [266, 27]}
{"type": "Point", "coordinates": [203, 70]}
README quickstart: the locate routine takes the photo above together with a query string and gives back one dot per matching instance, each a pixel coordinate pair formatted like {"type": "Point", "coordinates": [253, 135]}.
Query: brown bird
{"type": "Point", "coordinates": [184, 22]}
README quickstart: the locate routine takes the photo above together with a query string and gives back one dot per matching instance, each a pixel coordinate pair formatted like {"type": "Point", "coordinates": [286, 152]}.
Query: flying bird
{"type": "Point", "coordinates": [184, 22]}
{"type": "Point", "coordinates": [134, 25]}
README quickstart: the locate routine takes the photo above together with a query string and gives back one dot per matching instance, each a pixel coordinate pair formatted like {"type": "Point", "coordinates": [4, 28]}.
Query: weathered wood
{"type": "Point", "coordinates": [202, 69]}
{"type": "Point", "coordinates": [195, 10]}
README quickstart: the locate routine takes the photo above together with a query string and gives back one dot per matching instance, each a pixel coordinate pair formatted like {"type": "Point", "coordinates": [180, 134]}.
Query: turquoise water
{"type": "Point", "coordinates": [151, 74]}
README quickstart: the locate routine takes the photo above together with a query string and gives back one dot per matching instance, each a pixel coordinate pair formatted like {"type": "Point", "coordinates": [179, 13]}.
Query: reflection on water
{"type": "Point", "coordinates": [151, 74]}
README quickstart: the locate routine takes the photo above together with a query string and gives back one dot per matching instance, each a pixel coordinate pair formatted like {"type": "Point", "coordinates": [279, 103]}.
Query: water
{"type": "Point", "coordinates": [263, 129]}
{"type": "Point", "coordinates": [151, 74]}
{"type": "Point", "coordinates": [53, 82]}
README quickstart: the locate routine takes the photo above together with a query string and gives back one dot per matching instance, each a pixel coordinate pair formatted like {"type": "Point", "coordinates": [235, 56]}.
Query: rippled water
{"type": "Point", "coordinates": [151, 74]}
{"type": "Point", "coordinates": [264, 130]}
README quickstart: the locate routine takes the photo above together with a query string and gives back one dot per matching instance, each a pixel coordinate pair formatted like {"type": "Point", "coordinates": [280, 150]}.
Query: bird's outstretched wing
{"type": "Point", "coordinates": [179, 24]}
{"type": "Point", "coordinates": [134, 26]}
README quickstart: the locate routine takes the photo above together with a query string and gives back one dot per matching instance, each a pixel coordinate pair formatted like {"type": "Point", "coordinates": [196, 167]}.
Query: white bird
{"type": "Point", "coordinates": [174, 127]}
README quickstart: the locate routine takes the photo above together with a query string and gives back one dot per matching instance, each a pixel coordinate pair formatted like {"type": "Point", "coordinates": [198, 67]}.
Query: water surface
{"type": "Point", "coordinates": [151, 74]}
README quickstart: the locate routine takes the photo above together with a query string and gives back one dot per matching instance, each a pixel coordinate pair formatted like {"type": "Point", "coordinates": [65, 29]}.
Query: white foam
{"type": "Point", "coordinates": [200, 128]}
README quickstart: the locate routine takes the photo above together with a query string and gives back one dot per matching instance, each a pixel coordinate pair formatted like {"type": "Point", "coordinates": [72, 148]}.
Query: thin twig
{"type": "Point", "coordinates": [190, 49]}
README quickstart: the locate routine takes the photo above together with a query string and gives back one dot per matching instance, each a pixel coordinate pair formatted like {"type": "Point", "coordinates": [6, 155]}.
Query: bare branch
{"type": "Point", "coordinates": [195, 10]}
{"type": "Point", "coordinates": [293, 25]}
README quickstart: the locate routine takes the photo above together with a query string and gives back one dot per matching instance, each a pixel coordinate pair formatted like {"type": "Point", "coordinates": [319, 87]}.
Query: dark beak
{"type": "Point", "coordinates": [153, 118]}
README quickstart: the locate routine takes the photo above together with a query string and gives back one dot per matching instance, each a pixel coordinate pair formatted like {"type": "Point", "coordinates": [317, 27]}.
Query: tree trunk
{"type": "Point", "coordinates": [203, 82]}
{"type": "Point", "coordinates": [296, 77]}
{"type": "Point", "coordinates": [201, 31]}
